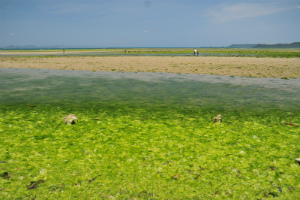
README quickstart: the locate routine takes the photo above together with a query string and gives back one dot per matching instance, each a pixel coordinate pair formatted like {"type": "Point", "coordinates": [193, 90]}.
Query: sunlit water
{"type": "Point", "coordinates": [36, 86]}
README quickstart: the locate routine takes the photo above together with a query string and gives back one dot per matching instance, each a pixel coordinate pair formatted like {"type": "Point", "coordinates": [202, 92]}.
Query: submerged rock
{"type": "Point", "coordinates": [217, 119]}
{"type": "Point", "coordinates": [70, 119]}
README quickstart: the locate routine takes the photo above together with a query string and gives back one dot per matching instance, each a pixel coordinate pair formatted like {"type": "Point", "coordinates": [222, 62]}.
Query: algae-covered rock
{"type": "Point", "coordinates": [70, 119]}
{"type": "Point", "coordinates": [217, 119]}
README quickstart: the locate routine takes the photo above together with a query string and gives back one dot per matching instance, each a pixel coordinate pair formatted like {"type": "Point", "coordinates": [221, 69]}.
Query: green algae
{"type": "Point", "coordinates": [141, 138]}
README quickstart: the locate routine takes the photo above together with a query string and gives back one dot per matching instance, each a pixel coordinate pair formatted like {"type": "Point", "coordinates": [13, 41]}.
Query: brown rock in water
{"type": "Point", "coordinates": [217, 119]}
{"type": "Point", "coordinates": [70, 119]}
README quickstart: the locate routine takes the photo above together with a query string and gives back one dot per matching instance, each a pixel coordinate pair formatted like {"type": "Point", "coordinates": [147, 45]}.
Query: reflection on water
{"type": "Point", "coordinates": [36, 86]}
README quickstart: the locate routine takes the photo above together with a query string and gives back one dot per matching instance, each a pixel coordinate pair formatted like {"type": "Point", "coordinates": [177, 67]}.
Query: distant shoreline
{"type": "Point", "coordinates": [33, 47]}
{"type": "Point", "coordinates": [232, 66]}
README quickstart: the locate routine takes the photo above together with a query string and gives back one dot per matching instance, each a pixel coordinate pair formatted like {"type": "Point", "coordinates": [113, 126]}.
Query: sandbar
{"type": "Point", "coordinates": [232, 66]}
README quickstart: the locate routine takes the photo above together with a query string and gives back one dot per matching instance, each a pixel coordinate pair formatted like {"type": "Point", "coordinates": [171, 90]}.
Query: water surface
{"type": "Point", "coordinates": [37, 86]}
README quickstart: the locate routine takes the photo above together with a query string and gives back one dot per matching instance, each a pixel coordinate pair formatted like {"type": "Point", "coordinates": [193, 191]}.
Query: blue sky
{"type": "Point", "coordinates": [148, 23]}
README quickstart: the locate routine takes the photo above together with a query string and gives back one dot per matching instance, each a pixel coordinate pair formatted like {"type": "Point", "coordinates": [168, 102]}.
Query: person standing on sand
{"type": "Point", "coordinates": [195, 52]}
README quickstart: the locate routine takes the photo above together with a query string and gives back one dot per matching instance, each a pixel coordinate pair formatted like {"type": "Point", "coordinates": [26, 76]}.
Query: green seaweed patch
{"type": "Point", "coordinates": [124, 151]}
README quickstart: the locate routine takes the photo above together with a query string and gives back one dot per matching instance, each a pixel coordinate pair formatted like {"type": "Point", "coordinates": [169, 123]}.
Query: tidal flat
{"type": "Point", "coordinates": [142, 135]}
{"type": "Point", "coordinates": [232, 66]}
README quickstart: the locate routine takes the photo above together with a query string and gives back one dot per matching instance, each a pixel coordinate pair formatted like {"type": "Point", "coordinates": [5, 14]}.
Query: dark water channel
{"type": "Point", "coordinates": [36, 86]}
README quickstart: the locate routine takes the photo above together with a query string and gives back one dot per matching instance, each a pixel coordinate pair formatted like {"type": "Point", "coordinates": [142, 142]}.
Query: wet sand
{"type": "Point", "coordinates": [233, 66]}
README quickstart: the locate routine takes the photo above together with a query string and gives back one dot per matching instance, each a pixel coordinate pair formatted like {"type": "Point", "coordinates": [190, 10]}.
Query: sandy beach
{"type": "Point", "coordinates": [233, 66]}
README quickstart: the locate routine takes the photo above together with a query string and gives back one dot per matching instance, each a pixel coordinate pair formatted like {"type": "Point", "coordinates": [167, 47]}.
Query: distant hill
{"type": "Point", "coordinates": [242, 45]}
{"type": "Point", "coordinates": [291, 45]}
{"type": "Point", "coordinates": [31, 47]}
{"type": "Point", "coordinates": [19, 47]}
{"type": "Point", "coordinates": [294, 45]}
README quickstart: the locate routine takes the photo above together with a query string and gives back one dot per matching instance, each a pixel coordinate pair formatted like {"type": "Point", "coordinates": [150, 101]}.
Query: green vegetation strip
{"type": "Point", "coordinates": [227, 52]}
{"type": "Point", "coordinates": [285, 53]}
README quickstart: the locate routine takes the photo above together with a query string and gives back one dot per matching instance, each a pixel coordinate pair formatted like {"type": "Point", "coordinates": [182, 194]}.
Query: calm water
{"type": "Point", "coordinates": [35, 86]}
{"type": "Point", "coordinates": [121, 54]}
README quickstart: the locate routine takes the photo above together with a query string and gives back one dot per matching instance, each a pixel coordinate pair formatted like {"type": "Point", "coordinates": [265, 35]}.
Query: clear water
{"type": "Point", "coordinates": [36, 86]}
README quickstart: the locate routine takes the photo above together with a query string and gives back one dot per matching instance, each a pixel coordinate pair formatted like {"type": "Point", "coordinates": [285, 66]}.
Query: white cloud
{"type": "Point", "coordinates": [227, 13]}
{"type": "Point", "coordinates": [11, 34]}
{"type": "Point", "coordinates": [145, 31]}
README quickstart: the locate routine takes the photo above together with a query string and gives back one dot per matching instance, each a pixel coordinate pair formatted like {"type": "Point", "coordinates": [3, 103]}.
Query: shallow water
{"type": "Point", "coordinates": [37, 86]}
{"type": "Point", "coordinates": [97, 54]}
{"type": "Point", "coordinates": [121, 54]}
